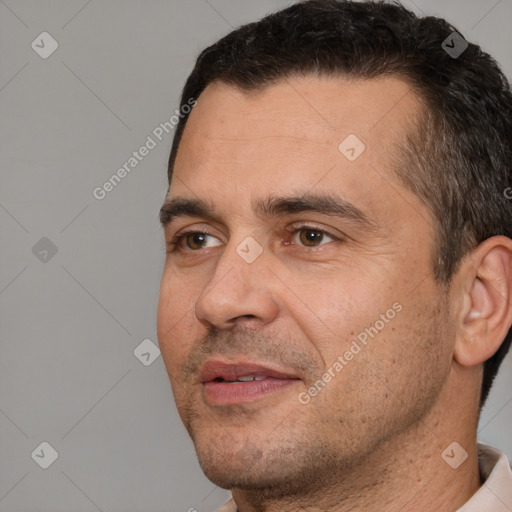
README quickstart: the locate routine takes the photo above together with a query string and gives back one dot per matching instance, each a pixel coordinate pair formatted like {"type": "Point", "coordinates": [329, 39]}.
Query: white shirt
{"type": "Point", "coordinates": [495, 494]}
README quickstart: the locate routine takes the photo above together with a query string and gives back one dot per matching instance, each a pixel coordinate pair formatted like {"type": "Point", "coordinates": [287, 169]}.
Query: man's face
{"type": "Point", "coordinates": [293, 288]}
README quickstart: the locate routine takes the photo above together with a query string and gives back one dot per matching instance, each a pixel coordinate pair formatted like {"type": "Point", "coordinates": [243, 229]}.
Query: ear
{"type": "Point", "coordinates": [485, 301]}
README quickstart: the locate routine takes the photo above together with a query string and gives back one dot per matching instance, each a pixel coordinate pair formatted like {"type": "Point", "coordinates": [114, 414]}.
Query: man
{"type": "Point", "coordinates": [336, 298]}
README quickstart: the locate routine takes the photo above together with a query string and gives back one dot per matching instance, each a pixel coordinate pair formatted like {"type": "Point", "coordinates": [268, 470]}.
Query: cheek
{"type": "Point", "coordinates": [176, 328]}
{"type": "Point", "coordinates": [410, 359]}
{"type": "Point", "coordinates": [334, 309]}
{"type": "Point", "coordinates": [176, 302]}
{"type": "Point", "coordinates": [392, 381]}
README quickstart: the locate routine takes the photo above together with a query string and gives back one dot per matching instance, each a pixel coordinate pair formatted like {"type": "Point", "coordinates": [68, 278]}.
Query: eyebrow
{"type": "Point", "coordinates": [274, 206]}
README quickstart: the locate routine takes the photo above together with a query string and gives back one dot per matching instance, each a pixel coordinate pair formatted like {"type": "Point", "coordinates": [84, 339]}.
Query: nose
{"type": "Point", "coordinates": [239, 292]}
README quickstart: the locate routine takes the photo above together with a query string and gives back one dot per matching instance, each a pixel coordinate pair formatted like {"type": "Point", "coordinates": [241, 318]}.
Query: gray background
{"type": "Point", "coordinates": [69, 325]}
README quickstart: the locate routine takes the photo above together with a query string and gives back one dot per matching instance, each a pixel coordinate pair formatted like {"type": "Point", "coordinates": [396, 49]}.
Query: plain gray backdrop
{"type": "Point", "coordinates": [79, 276]}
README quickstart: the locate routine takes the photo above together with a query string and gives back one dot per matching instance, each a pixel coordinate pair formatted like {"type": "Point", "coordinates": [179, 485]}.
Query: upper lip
{"type": "Point", "coordinates": [232, 370]}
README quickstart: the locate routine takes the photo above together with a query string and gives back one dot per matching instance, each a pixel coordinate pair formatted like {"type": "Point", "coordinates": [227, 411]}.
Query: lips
{"type": "Point", "coordinates": [229, 383]}
{"type": "Point", "coordinates": [218, 370]}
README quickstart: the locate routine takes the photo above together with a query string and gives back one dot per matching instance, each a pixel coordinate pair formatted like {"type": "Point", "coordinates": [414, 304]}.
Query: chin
{"type": "Point", "coordinates": [231, 462]}
{"type": "Point", "coordinates": [230, 478]}
{"type": "Point", "coordinates": [253, 466]}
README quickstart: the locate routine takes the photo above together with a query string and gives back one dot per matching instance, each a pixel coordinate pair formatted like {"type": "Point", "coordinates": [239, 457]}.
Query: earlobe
{"type": "Point", "coordinates": [485, 316]}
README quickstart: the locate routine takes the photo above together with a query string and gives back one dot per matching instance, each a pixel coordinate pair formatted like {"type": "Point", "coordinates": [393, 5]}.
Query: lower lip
{"type": "Point", "coordinates": [229, 393]}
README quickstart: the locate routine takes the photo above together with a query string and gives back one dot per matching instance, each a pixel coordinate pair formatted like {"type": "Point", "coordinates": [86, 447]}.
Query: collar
{"type": "Point", "coordinates": [495, 494]}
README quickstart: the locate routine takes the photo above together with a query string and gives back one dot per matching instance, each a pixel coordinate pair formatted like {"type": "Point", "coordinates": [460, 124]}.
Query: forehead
{"type": "Point", "coordinates": [300, 133]}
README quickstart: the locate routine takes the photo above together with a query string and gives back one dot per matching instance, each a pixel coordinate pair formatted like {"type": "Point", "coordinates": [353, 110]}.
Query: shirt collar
{"type": "Point", "coordinates": [495, 494]}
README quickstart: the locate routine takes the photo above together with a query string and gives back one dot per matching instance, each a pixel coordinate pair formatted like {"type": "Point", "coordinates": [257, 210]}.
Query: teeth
{"type": "Point", "coordinates": [247, 378]}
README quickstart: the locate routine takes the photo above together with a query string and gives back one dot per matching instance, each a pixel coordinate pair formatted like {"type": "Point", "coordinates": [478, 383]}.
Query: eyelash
{"type": "Point", "coordinates": [174, 244]}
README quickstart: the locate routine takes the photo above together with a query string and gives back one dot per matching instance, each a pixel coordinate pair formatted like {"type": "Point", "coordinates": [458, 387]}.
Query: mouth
{"type": "Point", "coordinates": [229, 383]}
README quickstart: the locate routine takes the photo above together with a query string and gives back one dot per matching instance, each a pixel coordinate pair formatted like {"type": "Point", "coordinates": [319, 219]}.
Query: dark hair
{"type": "Point", "coordinates": [457, 157]}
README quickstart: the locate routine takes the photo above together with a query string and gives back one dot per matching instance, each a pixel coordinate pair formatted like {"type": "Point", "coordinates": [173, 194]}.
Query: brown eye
{"type": "Point", "coordinates": [311, 237]}
{"type": "Point", "coordinates": [195, 241]}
